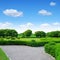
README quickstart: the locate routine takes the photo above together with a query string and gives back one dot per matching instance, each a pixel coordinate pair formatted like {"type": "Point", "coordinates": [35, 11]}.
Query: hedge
{"type": "Point", "coordinates": [21, 42]}
{"type": "Point", "coordinates": [51, 49]}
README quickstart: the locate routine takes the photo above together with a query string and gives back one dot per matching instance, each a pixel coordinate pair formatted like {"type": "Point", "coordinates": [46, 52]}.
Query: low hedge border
{"type": "Point", "coordinates": [51, 49]}
{"type": "Point", "coordinates": [32, 43]}
{"type": "Point", "coordinates": [28, 43]}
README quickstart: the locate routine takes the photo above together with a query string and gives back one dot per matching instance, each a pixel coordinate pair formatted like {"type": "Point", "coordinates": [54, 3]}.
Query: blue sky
{"type": "Point", "coordinates": [30, 14]}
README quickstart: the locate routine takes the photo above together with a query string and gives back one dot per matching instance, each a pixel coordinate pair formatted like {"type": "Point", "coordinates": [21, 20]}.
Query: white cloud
{"type": "Point", "coordinates": [50, 27]}
{"type": "Point", "coordinates": [5, 25]}
{"type": "Point", "coordinates": [27, 25]}
{"type": "Point", "coordinates": [45, 12]}
{"type": "Point", "coordinates": [52, 3]}
{"type": "Point", "coordinates": [23, 27]}
{"type": "Point", "coordinates": [45, 25]}
{"type": "Point", "coordinates": [13, 12]}
{"type": "Point", "coordinates": [42, 27]}
{"type": "Point", "coordinates": [56, 23]}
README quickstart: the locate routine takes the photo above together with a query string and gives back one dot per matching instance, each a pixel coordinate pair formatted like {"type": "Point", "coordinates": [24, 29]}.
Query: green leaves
{"type": "Point", "coordinates": [54, 34]}
{"type": "Point", "coordinates": [27, 33]}
{"type": "Point", "coordinates": [40, 34]}
{"type": "Point", "coordinates": [50, 48]}
{"type": "Point", "coordinates": [8, 32]}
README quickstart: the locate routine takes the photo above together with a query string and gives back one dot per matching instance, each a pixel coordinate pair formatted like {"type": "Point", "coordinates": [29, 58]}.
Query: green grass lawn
{"type": "Point", "coordinates": [3, 55]}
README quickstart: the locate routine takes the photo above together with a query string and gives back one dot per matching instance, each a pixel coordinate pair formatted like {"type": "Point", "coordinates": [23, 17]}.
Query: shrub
{"type": "Point", "coordinates": [8, 37]}
{"type": "Point", "coordinates": [50, 48]}
{"type": "Point", "coordinates": [53, 49]}
{"type": "Point", "coordinates": [32, 43]}
{"type": "Point", "coordinates": [1, 39]}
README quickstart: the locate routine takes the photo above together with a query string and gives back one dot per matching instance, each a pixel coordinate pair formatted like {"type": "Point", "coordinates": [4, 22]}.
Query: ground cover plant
{"type": "Point", "coordinates": [53, 49]}
{"type": "Point", "coordinates": [3, 55]}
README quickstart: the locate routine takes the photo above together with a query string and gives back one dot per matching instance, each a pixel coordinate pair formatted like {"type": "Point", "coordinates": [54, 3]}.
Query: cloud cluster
{"type": "Point", "coordinates": [16, 13]}
{"type": "Point", "coordinates": [13, 12]}
{"type": "Point", "coordinates": [56, 24]}
{"type": "Point", "coordinates": [42, 27]}
{"type": "Point", "coordinates": [45, 12]}
{"type": "Point", "coordinates": [5, 25]}
{"type": "Point", "coordinates": [52, 3]}
{"type": "Point", "coordinates": [21, 28]}
{"type": "Point", "coordinates": [50, 27]}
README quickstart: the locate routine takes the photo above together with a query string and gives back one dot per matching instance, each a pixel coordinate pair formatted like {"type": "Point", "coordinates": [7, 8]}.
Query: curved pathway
{"type": "Point", "coordinates": [26, 53]}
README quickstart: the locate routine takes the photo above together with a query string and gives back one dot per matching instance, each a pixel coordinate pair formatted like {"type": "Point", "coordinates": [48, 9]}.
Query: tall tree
{"type": "Point", "coordinates": [27, 33]}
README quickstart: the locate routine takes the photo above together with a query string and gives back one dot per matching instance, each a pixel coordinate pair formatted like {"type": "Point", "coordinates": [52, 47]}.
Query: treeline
{"type": "Point", "coordinates": [28, 33]}
{"type": "Point", "coordinates": [39, 34]}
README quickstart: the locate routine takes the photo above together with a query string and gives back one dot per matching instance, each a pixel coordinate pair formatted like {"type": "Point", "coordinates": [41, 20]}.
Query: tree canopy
{"type": "Point", "coordinates": [40, 34]}
{"type": "Point", "coordinates": [53, 34]}
{"type": "Point", "coordinates": [27, 33]}
{"type": "Point", "coordinates": [8, 32]}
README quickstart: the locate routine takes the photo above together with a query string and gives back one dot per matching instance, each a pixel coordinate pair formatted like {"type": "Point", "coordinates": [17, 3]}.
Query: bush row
{"type": "Point", "coordinates": [51, 49]}
{"type": "Point", "coordinates": [20, 42]}
{"type": "Point", "coordinates": [28, 43]}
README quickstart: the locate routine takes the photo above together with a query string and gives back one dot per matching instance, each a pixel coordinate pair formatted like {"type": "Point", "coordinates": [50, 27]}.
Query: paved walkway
{"type": "Point", "coordinates": [26, 53]}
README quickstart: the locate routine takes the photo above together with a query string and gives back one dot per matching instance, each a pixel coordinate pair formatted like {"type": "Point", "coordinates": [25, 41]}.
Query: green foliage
{"type": "Point", "coordinates": [8, 37]}
{"type": "Point", "coordinates": [57, 52]}
{"type": "Point", "coordinates": [33, 36]}
{"type": "Point", "coordinates": [54, 34]}
{"type": "Point", "coordinates": [8, 32]}
{"type": "Point", "coordinates": [27, 33]}
{"type": "Point", "coordinates": [50, 48]}
{"type": "Point", "coordinates": [22, 35]}
{"type": "Point", "coordinates": [58, 57]}
{"type": "Point", "coordinates": [53, 49]}
{"type": "Point", "coordinates": [40, 34]}
{"type": "Point", "coordinates": [32, 43]}
{"type": "Point", "coordinates": [27, 41]}
{"type": "Point", "coordinates": [13, 38]}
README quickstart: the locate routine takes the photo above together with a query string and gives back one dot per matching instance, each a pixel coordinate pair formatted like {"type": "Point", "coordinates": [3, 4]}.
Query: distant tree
{"type": "Point", "coordinates": [53, 34]}
{"type": "Point", "coordinates": [40, 34]}
{"type": "Point", "coordinates": [8, 32]}
{"type": "Point", "coordinates": [27, 33]}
